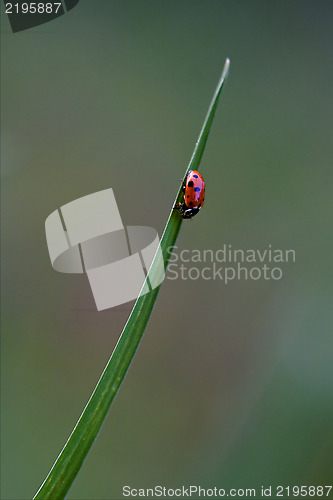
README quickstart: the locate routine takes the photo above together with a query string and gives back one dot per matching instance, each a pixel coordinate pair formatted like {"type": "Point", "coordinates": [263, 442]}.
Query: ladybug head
{"type": "Point", "coordinates": [190, 212]}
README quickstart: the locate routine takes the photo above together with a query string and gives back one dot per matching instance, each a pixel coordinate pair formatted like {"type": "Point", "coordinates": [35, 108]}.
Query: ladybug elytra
{"type": "Point", "coordinates": [194, 195]}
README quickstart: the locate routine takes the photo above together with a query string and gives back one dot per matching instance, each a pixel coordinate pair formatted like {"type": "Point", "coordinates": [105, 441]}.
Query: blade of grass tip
{"type": "Point", "coordinates": [174, 222]}
{"type": "Point", "coordinates": [69, 462]}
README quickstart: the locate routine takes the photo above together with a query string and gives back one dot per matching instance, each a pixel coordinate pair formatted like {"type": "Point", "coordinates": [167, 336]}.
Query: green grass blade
{"type": "Point", "coordinates": [69, 462]}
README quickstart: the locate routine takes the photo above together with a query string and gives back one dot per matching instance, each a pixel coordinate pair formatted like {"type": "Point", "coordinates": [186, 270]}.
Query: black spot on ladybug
{"type": "Point", "coordinates": [190, 203]}
{"type": "Point", "coordinates": [188, 196]}
{"type": "Point", "coordinates": [196, 176]}
{"type": "Point", "coordinates": [199, 205]}
{"type": "Point", "coordinates": [190, 184]}
{"type": "Point", "coordinates": [197, 189]}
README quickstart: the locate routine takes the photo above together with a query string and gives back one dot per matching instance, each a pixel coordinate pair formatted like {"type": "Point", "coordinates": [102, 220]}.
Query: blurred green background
{"type": "Point", "coordinates": [232, 384]}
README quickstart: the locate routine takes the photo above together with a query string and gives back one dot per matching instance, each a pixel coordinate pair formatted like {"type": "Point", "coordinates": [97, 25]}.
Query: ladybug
{"type": "Point", "coordinates": [194, 195]}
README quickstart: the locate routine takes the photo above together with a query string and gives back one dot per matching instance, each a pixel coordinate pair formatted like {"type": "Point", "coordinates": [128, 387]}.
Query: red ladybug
{"type": "Point", "coordinates": [194, 195]}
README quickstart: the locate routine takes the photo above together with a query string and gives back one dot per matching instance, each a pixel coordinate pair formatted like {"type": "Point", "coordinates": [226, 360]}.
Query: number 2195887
{"type": "Point", "coordinates": [32, 8]}
{"type": "Point", "coordinates": [307, 491]}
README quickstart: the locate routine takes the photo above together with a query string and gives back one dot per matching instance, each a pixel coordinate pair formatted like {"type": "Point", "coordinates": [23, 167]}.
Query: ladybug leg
{"type": "Point", "coordinates": [180, 207]}
{"type": "Point", "coordinates": [183, 181]}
